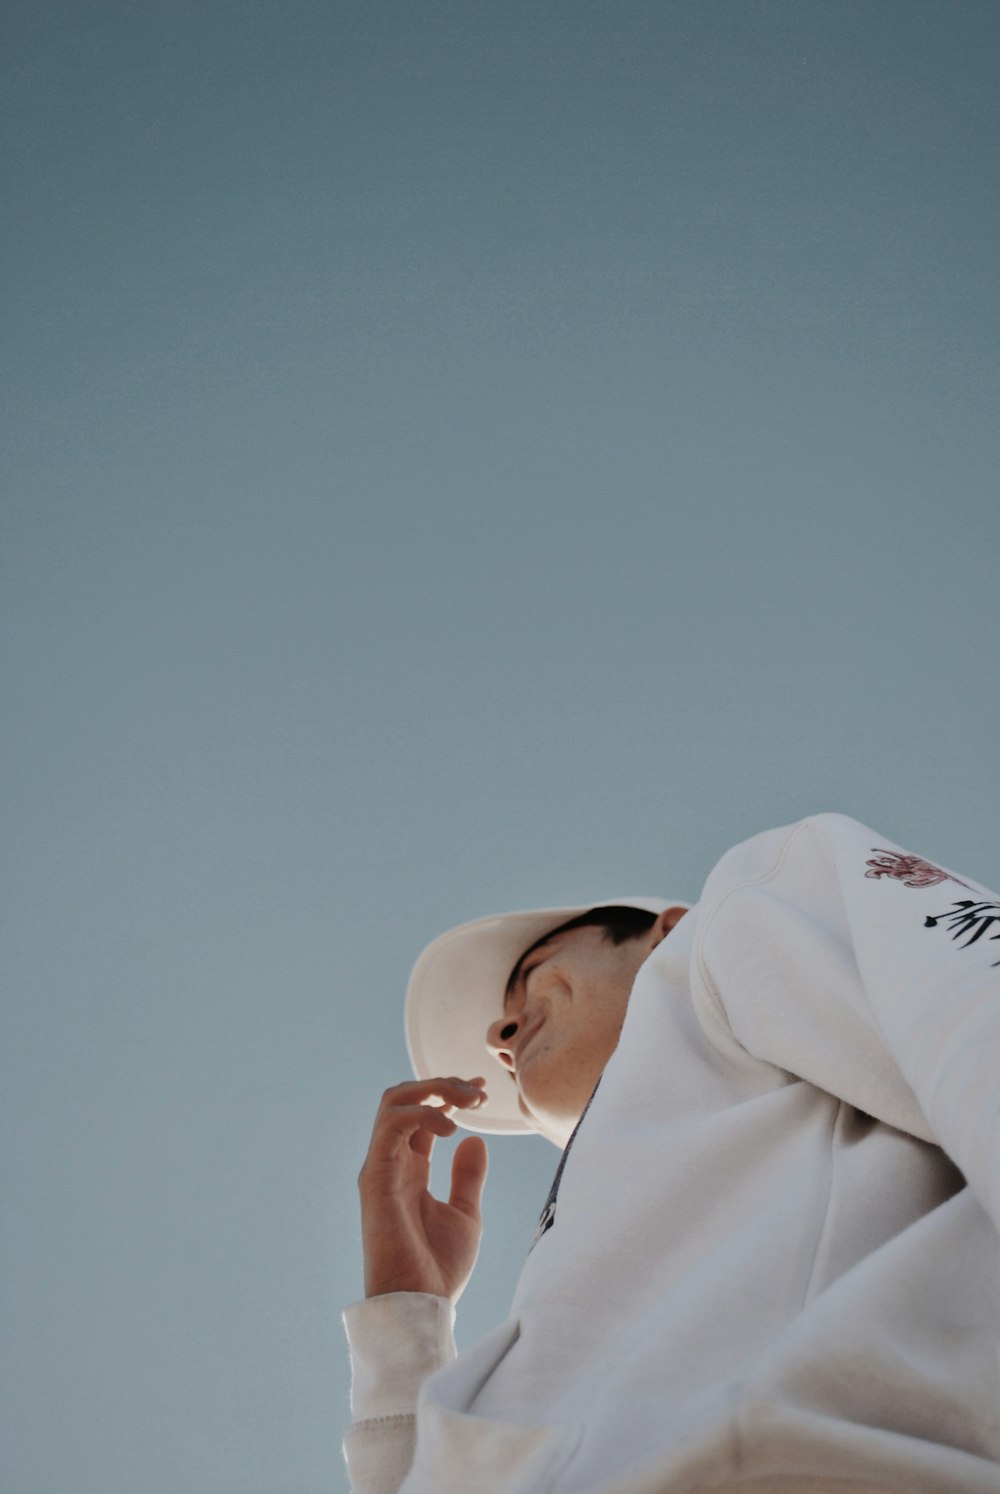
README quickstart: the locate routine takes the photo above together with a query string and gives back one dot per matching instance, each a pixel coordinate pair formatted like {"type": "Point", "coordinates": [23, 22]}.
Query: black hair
{"type": "Point", "coordinates": [618, 923]}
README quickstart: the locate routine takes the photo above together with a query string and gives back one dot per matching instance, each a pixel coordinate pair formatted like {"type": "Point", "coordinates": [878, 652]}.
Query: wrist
{"type": "Point", "coordinates": [410, 1283]}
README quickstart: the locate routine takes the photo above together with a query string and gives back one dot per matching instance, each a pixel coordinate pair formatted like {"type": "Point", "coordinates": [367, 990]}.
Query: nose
{"type": "Point", "coordinates": [500, 1038]}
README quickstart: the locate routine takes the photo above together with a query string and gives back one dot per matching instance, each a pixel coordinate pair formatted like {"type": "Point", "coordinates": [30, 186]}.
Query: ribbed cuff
{"type": "Point", "coordinates": [396, 1341]}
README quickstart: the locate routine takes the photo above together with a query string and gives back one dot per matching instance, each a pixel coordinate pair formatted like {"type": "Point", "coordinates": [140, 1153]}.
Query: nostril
{"type": "Point", "coordinates": [506, 1033]}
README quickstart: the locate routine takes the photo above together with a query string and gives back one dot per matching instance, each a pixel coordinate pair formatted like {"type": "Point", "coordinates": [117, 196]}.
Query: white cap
{"type": "Point", "coordinates": [456, 991]}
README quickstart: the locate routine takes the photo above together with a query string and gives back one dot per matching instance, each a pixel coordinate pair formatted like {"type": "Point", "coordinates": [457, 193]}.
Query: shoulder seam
{"type": "Point", "coordinates": [706, 981]}
{"type": "Point", "coordinates": [372, 1422]}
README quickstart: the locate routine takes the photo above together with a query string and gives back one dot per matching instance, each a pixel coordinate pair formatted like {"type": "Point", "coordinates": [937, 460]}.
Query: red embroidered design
{"type": "Point", "coordinates": [912, 871]}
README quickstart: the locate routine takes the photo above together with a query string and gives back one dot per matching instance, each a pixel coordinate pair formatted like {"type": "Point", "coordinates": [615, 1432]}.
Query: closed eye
{"type": "Point", "coordinates": [518, 986]}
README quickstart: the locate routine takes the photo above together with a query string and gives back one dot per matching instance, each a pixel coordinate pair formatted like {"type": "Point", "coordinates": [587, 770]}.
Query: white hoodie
{"type": "Point", "coordinates": [765, 1269]}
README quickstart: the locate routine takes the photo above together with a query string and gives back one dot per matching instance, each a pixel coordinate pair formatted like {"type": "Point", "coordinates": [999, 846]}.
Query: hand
{"type": "Point", "coordinates": [412, 1241]}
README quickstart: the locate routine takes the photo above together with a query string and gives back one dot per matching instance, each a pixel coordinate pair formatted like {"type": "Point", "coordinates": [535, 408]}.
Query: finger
{"type": "Point", "coordinates": [462, 1094]}
{"type": "Point", "coordinates": [468, 1175]}
{"type": "Point", "coordinates": [422, 1140]}
{"type": "Point", "coordinates": [452, 1091]}
{"type": "Point", "coordinates": [403, 1125]}
{"type": "Point", "coordinates": [397, 1129]}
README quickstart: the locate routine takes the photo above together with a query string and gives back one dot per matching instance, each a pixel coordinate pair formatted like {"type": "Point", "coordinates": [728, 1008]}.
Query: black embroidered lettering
{"type": "Point", "coordinates": [969, 918]}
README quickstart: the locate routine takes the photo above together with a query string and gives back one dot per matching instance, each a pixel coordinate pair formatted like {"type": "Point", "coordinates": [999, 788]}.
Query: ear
{"type": "Point", "coordinates": [665, 921]}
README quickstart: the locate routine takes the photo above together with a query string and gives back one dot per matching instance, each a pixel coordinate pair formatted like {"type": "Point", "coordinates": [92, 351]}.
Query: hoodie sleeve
{"type": "Point", "coordinates": [829, 952]}
{"type": "Point", "coordinates": [396, 1341]}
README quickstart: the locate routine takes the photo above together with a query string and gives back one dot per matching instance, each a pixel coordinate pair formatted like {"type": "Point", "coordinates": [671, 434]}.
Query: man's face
{"type": "Point", "coordinates": [562, 1020]}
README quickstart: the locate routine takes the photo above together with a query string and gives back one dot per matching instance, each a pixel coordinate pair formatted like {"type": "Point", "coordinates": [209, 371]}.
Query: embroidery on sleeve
{"type": "Point", "coordinates": [966, 915]}
{"type": "Point", "coordinates": [969, 917]}
{"type": "Point", "coordinates": [912, 871]}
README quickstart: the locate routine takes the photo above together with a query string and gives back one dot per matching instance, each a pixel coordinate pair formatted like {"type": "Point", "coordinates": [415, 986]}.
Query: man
{"type": "Point", "coordinates": [770, 1260]}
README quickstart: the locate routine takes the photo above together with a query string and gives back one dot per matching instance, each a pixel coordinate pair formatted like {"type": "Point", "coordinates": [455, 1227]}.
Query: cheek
{"type": "Point", "coordinates": [563, 1068]}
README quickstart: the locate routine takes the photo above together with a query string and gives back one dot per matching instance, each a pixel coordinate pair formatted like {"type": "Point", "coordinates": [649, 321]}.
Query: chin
{"type": "Point", "coordinates": [555, 1128]}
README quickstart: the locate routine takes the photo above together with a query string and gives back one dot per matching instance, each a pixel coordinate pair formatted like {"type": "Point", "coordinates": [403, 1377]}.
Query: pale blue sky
{"type": "Point", "coordinates": [457, 456]}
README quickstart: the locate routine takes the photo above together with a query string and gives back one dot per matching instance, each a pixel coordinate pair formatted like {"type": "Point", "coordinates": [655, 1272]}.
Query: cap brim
{"type": "Point", "coordinates": [456, 991]}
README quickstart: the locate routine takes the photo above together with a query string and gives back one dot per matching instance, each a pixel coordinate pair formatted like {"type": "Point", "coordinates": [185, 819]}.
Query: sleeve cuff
{"type": "Point", "coordinates": [396, 1341]}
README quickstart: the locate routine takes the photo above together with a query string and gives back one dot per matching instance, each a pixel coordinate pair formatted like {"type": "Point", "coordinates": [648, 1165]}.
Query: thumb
{"type": "Point", "coordinates": [468, 1174]}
